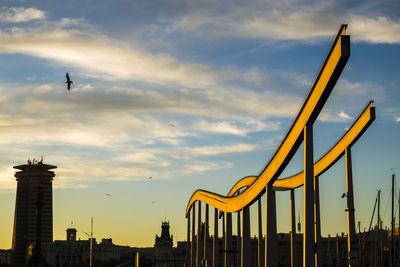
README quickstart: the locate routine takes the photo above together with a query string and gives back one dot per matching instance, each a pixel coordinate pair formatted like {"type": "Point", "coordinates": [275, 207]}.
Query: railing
{"type": "Point", "coordinates": [249, 189]}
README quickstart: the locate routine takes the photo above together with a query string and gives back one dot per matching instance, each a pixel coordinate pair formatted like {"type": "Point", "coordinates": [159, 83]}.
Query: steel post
{"type": "Point", "coordinates": [188, 241]}
{"type": "Point", "coordinates": [239, 240]}
{"type": "Point", "coordinates": [246, 249]}
{"type": "Point", "coordinates": [228, 240]}
{"type": "Point", "coordinates": [193, 249]}
{"type": "Point", "coordinates": [308, 235]}
{"type": "Point", "coordinates": [270, 231]}
{"type": "Point", "coordinates": [198, 247]}
{"type": "Point", "coordinates": [205, 239]}
{"type": "Point", "coordinates": [317, 221]}
{"type": "Point", "coordinates": [215, 239]}
{"type": "Point", "coordinates": [293, 249]}
{"type": "Point", "coordinates": [260, 260]}
{"type": "Point", "coordinates": [351, 224]}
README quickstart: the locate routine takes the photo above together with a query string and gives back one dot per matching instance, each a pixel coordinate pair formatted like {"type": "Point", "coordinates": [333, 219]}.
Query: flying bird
{"type": "Point", "coordinates": [171, 125]}
{"type": "Point", "coordinates": [68, 82]}
{"type": "Point", "coordinates": [109, 195]}
{"type": "Point", "coordinates": [150, 177]}
{"type": "Point", "coordinates": [344, 195]}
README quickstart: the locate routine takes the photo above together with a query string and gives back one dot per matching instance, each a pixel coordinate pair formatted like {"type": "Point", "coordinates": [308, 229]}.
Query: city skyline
{"type": "Point", "coordinates": [168, 97]}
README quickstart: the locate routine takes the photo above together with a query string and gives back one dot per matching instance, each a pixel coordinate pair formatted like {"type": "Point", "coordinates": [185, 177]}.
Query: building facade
{"type": "Point", "coordinates": [33, 178]}
{"type": "Point", "coordinates": [164, 254]}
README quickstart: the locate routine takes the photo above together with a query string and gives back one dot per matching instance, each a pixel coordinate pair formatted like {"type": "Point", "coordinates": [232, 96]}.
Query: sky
{"type": "Point", "coordinates": [195, 95]}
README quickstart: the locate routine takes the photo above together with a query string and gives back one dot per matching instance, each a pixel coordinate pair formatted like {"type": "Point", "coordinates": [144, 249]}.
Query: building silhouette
{"type": "Point", "coordinates": [33, 179]}
{"type": "Point", "coordinates": [164, 254]}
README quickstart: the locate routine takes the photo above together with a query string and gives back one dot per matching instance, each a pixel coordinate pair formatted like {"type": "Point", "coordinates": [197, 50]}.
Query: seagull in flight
{"type": "Point", "coordinates": [68, 82]}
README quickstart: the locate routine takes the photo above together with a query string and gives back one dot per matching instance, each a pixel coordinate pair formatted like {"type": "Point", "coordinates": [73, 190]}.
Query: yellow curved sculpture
{"type": "Point", "coordinates": [326, 161]}
{"type": "Point", "coordinates": [335, 153]}
{"type": "Point", "coordinates": [322, 87]}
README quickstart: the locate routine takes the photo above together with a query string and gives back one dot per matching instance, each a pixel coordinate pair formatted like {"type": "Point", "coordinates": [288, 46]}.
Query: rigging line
{"type": "Point", "coordinates": [369, 229]}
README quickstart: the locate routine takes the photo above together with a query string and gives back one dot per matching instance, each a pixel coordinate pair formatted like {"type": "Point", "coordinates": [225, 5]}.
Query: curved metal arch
{"type": "Point", "coordinates": [244, 182]}
{"type": "Point", "coordinates": [322, 87]}
{"type": "Point", "coordinates": [326, 161]}
{"type": "Point", "coordinates": [335, 153]}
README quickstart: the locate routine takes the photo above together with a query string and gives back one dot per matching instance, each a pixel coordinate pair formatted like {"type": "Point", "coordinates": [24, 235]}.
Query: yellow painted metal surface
{"type": "Point", "coordinates": [320, 91]}
{"type": "Point", "coordinates": [335, 153]}
{"type": "Point", "coordinates": [325, 162]}
{"type": "Point", "coordinates": [244, 182]}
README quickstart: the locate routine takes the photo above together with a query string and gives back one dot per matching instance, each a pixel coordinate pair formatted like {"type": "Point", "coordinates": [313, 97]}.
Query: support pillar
{"type": "Point", "coordinates": [351, 225]}
{"type": "Point", "coordinates": [239, 240]}
{"type": "Point", "coordinates": [246, 248]}
{"type": "Point", "coordinates": [205, 239]}
{"type": "Point", "coordinates": [188, 241]}
{"type": "Point", "coordinates": [317, 221]}
{"type": "Point", "coordinates": [223, 237]}
{"type": "Point", "coordinates": [308, 235]}
{"type": "Point", "coordinates": [215, 239]}
{"type": "Point", "coordinates": [270, 231]}
{"type": "Point", "coordinates": [260, 260]}
{"type": "Point", "coordinates": [228, 240]}
{"type": "Point", "coordinates": [198, 247]}
{"type": "Point", "coordinates": [193, 246]}
{"type": "Point", "coordinates": [293, 248]}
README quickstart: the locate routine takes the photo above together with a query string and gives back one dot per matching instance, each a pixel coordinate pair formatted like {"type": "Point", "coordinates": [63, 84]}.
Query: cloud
{"type": "Point", "coordinates": [44, 88]}
{"type": "Point", "coordinates": [21, 14]}
{"type": "Point", "coordinates": [217, 150]}
{"type": "Point", "coordinates": [375, 30]}
{"type": "Point", "coordinates": [285, 21]}
{"type": "Point", "coordinates": [75, 44]}
{"type": "Point", "coordinates": [397, 119]}
{"type": "Point", "coordinates": [343, 115]}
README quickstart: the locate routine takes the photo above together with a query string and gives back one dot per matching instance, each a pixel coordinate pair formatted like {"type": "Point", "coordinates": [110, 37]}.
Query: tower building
{"type": "Point", "coordinates": [32, 179]}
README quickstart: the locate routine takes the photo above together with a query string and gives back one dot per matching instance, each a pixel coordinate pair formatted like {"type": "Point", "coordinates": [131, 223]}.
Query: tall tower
{"type": "Point", "coordinates": [33, 175]}
{"type": "Point", "coordinates": [71, 234]}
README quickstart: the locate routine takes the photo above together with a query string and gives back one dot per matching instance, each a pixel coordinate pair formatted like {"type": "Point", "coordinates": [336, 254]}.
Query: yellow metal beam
{"type": "Point", "coordinates": [325, 162]}
{"type": "Point", "coordinates": [323, 85]}
{"type": "Point", "coordinates": [335, 153]}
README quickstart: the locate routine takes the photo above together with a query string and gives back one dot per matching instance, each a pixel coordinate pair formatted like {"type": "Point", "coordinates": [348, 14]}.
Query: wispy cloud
{"type": "Point", "coordinates": [73, 43]}
{"type": "Point", "coordinates": [343, 115]}
{"type": "Point", "coordinates": [21, 14]}
{"type": "Point", "coordinates": [285, 21]}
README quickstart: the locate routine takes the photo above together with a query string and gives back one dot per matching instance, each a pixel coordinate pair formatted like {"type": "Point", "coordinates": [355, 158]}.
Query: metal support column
{"type": "Point", "coordinates": [351, 224]}
{"type": "Point", "coordinates": [205, 240]}
{"type": "Point", "coordinates": [270, 231]}
{"type": "Point", "coordinates": [293, 249]}
{"type": "Point", "coordinates": [223, 236]}
{"type": "Point", "coordinates": [392, 251]}
{"type": "Point", "coordinates": [215, 239]}
{"type": "Point", "coordinates": [317, 221]}
{"type": "Point", "coordinates": [308, 235]}
{"type": "Point", "coordinates": [239, 240]}
{"type": "Point", "coordinates": [228, 240]}
{"type": "Point", "coordinates": [198, 247]}
{"type": "Point", "coordinates": [260, 260]}
{"type": "Point", "coordinates": [188, 241]}
{"type": "Point", "coordinates": [193, 249]}
{"type": "Point", "coordinates": [246, 248]}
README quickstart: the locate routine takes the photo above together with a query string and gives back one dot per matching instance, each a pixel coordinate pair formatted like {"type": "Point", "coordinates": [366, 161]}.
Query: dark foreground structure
{"type": "Point", "coordinates": [249, 190]}
{"type": "Point", "coordinates": [33, 180]}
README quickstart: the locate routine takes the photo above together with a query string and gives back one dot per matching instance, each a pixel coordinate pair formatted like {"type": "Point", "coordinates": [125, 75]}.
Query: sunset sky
{"type": "Point", "coordinates": [196, 95]}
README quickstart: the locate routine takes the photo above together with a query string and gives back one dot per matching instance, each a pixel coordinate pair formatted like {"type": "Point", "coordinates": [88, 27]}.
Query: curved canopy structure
{"type": "Point", "coordinates": [325, 162]}
{"type": "Point", "coordinates": [320, 91]}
